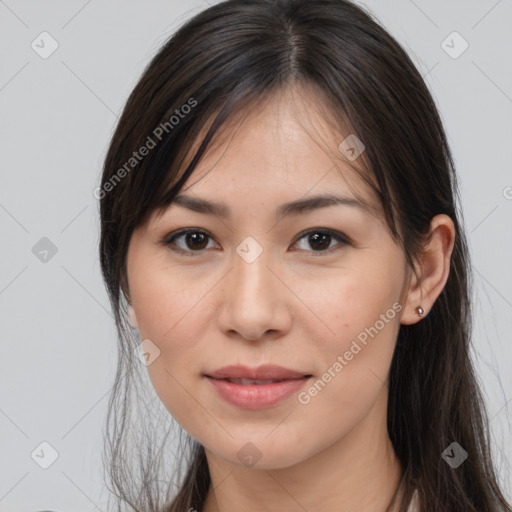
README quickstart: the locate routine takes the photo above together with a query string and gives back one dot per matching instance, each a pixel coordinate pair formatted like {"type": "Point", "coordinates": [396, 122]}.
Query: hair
{"type": "Point", "coordinates": [237, 53]}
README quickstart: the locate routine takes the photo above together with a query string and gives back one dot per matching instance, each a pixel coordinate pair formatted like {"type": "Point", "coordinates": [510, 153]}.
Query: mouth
{"type": "Point", "coordinates": [252, 393]}
{"type": "Point", "coordinates": [263, 373]}
{"type": "Point", "coordinates": [258, 382]}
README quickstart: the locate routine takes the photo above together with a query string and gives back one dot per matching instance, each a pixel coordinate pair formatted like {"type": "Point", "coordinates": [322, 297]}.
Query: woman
{"type": "Point", "coordinates": [282, 242]}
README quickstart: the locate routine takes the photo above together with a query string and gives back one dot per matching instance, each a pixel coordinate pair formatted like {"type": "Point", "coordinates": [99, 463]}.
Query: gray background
{"type": "Point", "coordinates": [56, 118]}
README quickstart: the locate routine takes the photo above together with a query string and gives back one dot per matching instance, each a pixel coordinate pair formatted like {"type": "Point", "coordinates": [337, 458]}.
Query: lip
{"type": "Point", "coordinates": [257, 396]}
{"type": "Point", "coordinates": [263, 372]}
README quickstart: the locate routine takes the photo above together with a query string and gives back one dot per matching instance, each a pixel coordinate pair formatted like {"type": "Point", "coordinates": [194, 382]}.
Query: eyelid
{"type": "Point", "coordinates": [342, 239]}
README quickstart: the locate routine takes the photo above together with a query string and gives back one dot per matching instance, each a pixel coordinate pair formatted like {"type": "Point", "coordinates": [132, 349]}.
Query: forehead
{"type": "Point", "coordinates": [290, 127]}
{"type": "Point", "coordinates": [278, 149]}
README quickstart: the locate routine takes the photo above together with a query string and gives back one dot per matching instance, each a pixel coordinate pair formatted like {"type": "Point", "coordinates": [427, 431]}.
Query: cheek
{"type": "Point", "coordinates": [174, 329]}
{"type": "Point", "coordinates": [169, 314]}
{"type": "Point", "coordinates": [364, 315]}
{"type": "Point", "coordinates": [166, 301]}
{"type": "Point", "coordinates": [352, 301]}
{"type": "Point", "coordinates": [362, 312]}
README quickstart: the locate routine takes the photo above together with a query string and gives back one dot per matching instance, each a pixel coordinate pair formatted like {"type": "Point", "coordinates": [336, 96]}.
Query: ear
{"type": "Point", "coordinates": [132, 317]}
{"type": "Point", "coordinates": [432, 269]}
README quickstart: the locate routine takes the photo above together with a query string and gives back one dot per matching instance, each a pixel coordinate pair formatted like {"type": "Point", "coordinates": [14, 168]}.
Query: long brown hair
{"type": "Point", "coordinates": [235, 54]}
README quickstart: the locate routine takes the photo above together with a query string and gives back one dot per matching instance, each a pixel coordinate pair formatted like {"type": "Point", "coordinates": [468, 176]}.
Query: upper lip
{"type": "Point", "coordinates": [263, 372]}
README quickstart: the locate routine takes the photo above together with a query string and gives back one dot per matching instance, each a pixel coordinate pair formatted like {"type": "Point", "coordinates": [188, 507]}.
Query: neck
{"type": "Point", "coordinates": [358, 473]}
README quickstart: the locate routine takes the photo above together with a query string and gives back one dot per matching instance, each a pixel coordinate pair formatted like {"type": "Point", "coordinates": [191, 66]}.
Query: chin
{"type": "Point", "coordinates": [260, 453]}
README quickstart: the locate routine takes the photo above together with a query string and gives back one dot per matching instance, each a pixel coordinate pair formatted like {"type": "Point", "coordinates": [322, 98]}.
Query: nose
{"type": "Point", "coordinates": [254, 300]}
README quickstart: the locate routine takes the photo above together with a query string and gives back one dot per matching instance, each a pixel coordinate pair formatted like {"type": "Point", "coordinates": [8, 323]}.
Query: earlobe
{"type": "Point", "coordinates": [132, 319]}
{"type": "Point", "coordinates": [432, 272]}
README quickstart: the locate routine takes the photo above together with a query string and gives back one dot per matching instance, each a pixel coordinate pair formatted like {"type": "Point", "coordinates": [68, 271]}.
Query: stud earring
{"type": "Point", "coordinates": [420, 311]}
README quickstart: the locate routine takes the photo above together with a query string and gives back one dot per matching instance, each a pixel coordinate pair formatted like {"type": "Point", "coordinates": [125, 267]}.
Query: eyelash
{"type": "Point", "coordinates": [339, 237]}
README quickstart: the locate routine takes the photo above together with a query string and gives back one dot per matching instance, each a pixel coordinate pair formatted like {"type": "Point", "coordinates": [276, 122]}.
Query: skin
{"type": "Point", "coordinates": [295, 305]}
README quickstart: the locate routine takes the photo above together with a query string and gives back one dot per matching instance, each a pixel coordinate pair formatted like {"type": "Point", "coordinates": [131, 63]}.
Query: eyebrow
{"type": "Point", "coordinates": [298, 207]}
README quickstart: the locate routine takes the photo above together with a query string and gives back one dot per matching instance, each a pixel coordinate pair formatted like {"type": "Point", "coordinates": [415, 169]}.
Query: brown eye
{"type": "Point", "coordinates": [196, 240]}
{"type": "Point", "coordinates": [193, 240]}
{"type": "Point", "coordinates": [320, 240]}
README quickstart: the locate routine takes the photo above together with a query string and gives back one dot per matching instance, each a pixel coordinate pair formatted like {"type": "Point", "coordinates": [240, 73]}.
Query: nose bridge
{"type": "Point", "coordinates": [252, 278]}
{"type": "Point", "coordinates": [251, 302]}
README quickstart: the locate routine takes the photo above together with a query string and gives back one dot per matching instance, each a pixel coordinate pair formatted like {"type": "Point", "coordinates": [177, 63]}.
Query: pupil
{"type": "Point", "coordinates": [323, 236]}
{"type": "Point", "coordinates": [194, 237]}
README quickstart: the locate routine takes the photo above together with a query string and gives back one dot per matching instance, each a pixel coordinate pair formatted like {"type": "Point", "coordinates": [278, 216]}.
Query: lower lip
{"type": "Point", "coordinates": [257, 396]}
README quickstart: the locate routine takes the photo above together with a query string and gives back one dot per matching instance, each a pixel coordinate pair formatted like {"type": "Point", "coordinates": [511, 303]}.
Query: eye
{"type": "Point", "coordinates": [320, 240]}
{"type": "Point", "coordinates": [196, 240]}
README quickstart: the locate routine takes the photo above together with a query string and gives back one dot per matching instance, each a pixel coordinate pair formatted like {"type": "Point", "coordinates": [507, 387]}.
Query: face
{"type": "Point", "coordinates": [317, 291]}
